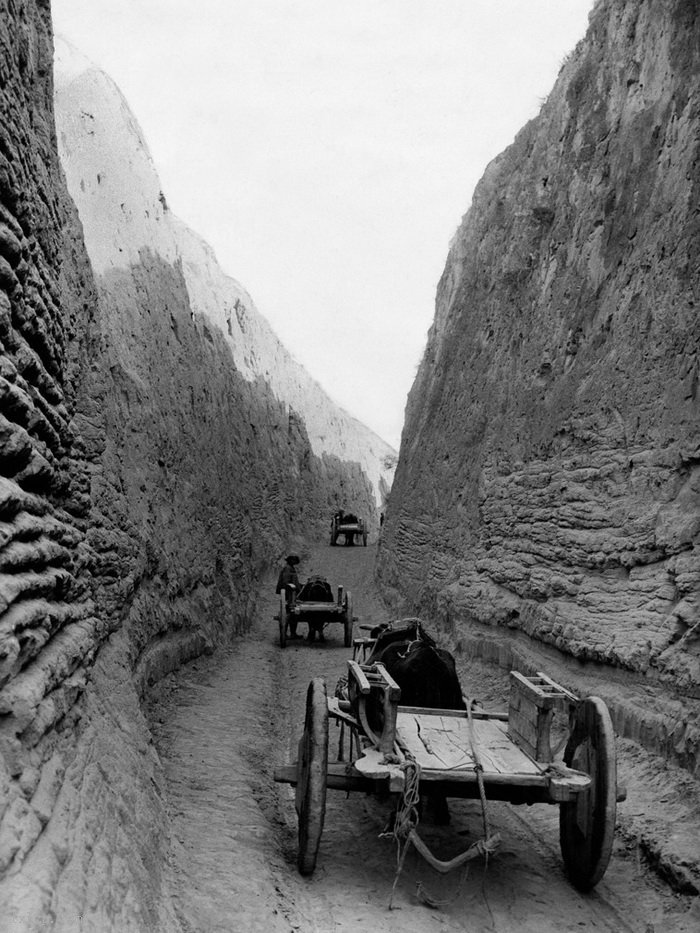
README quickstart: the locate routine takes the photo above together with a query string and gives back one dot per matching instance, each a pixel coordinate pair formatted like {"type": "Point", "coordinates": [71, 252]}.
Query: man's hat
{"type": "Point", "coordinates": [292, 559]}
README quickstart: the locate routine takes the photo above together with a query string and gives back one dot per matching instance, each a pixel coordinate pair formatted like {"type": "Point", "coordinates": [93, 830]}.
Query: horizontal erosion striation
{"type": "Point", "coordinates": [48, 627]}
{"type": "Point", "coordinates": [577, 570]}
{"type": "Point", "coordinates": [44, 483]}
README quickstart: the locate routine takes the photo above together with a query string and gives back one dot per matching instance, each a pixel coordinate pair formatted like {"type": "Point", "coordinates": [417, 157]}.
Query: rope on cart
{"type": "Point", "coordinates": [479, 768]}
{"type": "Point", "coordinates": [406, 816]}
{"type": "Point", "coordinates": [406, 820]}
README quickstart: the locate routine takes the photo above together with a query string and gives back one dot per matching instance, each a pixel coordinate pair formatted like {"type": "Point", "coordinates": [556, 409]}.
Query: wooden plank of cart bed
{"type": "Point", "coordinates": [339, 776]}
{"type": "Point", "coordinates": [449, 739]}
{"type": "Point", "coordinates": [469, 777]}
{"type": "Point", "coordinates": [423, 737]}
{"type": "Point", "coordinates": [496, 750]}
{"type": "Point", "coordinates": [444, 743]}
{"type": "Point", "coordinates": [457, 713]}
{"type": "Point", "coordinates": [317, 607]}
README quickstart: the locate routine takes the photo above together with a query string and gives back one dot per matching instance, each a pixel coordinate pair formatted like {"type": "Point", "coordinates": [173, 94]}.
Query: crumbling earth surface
{"type": "Point", "coordinates": [223, 723]}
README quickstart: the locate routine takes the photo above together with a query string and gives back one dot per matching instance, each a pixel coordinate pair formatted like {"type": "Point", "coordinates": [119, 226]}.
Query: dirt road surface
{"type": "Point", "coordinates": [223, 723]}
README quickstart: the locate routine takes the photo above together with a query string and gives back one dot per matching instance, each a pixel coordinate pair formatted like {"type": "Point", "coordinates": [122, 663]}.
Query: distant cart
{"type": "Point", "coordinates": [473, 754]}
{"type": "Point", "coordinates": [350, 526]}
{"type": "Point", "coordinates": [315, 605]}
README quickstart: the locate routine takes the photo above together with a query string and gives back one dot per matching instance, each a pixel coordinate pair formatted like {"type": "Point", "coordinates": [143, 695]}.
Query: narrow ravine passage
{"type": "Point", "coordinates": [222, 724]}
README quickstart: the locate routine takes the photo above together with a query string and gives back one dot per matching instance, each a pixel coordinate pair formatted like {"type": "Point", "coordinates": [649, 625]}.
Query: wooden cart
{"type": "Point", "coordinates": [350, 526]}
{"type": "Point", "coordinates": [499, 756]}
{"type": "Point", "coordinates": [317, 613]}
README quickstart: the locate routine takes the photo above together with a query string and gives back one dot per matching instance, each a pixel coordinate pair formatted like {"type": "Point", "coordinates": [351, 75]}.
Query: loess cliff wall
{"type": "Point", "coordinates": [546, 505]}
{"type": "Point", "coordinates": [115, 185]}
{"type": "Point", "coordinates": [147, 481]}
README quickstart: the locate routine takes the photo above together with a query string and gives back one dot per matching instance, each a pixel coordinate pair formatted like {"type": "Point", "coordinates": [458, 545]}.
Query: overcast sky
{"type": "Point", "coordinates": [327, 150]}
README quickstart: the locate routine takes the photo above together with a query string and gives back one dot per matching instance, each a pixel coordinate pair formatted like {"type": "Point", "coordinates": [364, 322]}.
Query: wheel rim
{"type": "Point", "coordinates": [312, 771]}
{"type": "Point", "coordinates": [283, 621]}
{"type": "Point", "coordinates": [348, 621]}
{"type": "Point", "coordinates": [587, 824]}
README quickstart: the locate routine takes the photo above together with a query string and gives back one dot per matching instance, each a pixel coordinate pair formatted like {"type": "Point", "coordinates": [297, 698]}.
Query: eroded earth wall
{"type": "Point", "coordinates": [547, 497]}
{"type": "Point", "coordinates": [145, 485]}
{"type": "Point", "coordinates": [115, 185]}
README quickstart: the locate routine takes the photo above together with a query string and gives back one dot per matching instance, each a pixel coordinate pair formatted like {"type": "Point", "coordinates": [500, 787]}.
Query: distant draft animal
{"type": "Point", "coordinates": [316, 589]}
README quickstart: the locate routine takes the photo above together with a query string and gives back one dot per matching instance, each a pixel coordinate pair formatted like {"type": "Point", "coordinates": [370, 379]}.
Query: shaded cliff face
{"type": "Point", "coordinates": [146, 483]}
{"type": "Point", "coordinates": [216, 465]}
{"type": "Point", "coordinates": [116, 188]}
{"type": "Point", "coordinates": [549, 476]}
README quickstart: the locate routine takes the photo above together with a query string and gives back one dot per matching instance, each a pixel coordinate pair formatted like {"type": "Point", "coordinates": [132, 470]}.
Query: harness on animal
{"type": "Point", "coordinates": [410, 646]}
{"type": "Point", "coordinates": [408, 625]}
{"type": "Point", "coordinates": [316, 589]}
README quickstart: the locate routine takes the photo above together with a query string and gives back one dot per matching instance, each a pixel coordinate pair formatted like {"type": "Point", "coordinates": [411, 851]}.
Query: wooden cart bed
{"type": "Point", "coordinates": [301, 606]}
{"type": "Point", "coordinates": [443, 743]}
{"type": "Point", "coordinates": [463, 753]}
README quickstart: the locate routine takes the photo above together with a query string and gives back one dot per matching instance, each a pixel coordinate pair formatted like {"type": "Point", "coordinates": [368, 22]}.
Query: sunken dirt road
{"type": "Point", "coordinates": [223, 723]}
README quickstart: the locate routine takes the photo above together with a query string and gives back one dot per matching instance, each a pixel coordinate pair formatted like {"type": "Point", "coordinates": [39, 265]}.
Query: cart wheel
{"type": "Point", "coordinates": [348, 621]}
{"type": "Point", "coordinates": [283, 620]}
{"type": "Point", "coordinates": [587, 824]}
{"type": "Point", "coordinates": [312, 769]}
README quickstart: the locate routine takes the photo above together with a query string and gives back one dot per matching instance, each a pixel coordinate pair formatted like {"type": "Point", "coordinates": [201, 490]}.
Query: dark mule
{"type": "Point", "coordinates": [426, 674]}
{"type": "Point", "coordinates": [316, 590]}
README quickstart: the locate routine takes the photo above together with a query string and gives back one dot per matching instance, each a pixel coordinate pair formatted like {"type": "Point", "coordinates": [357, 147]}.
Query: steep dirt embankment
{"type": "Point", "coordinates": [49, 626]}
{"type": "Point", "coordinates": [546, 505]}
{"type": "Point", "coordinates": [146, 484]}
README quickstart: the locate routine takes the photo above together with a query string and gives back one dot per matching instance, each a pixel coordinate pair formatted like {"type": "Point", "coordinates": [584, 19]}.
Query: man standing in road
{"type": "Point", "coordinates": [288, 581]}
